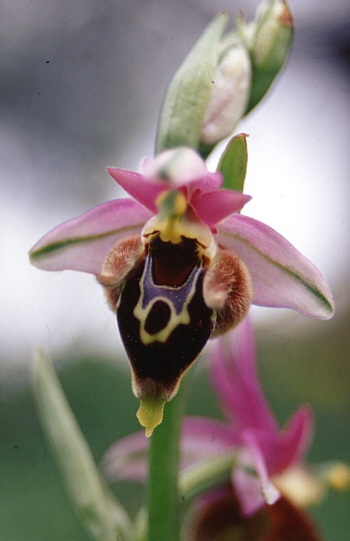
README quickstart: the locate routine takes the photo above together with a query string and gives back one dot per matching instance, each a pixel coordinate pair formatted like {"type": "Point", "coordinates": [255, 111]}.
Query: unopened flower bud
{"type": "Point", "coordinates": [272, 36]}
{"type": "Point", "coordinates": [188, 94]}
{"type": "Point", "coordinates": [229, 93]}
{"type": "Point", "coordinates": [269, 40]}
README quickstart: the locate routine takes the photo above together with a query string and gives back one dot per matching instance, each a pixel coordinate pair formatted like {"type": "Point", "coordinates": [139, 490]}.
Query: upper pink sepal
{"type": "Point", "coordinates": [180, 166]}
{"type": "Point", "coordinates": [234, 377]}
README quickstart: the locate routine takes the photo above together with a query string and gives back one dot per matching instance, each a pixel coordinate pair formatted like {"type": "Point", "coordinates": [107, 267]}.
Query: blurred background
{"type": "Point", "coordinates": [82, 83]}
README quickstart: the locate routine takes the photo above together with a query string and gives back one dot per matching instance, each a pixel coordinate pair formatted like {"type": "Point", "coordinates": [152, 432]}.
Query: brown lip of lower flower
{"type": "Point", "coordinates": [218, 518]}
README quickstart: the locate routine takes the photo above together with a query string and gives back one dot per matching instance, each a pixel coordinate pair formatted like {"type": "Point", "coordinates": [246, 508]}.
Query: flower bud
{"type": "Point", "coordinates": [229, 93]}
{"type": "Point", "coordinates": [269, 40]}
{"type": "Point", "coordinates": [273, 34]}
{"type": "Point", "coordinates": [188, 94]}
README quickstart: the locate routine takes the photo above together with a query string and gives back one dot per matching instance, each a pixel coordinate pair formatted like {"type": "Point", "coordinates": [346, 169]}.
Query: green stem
{"type": "Point", "coordinates": [163, 460]}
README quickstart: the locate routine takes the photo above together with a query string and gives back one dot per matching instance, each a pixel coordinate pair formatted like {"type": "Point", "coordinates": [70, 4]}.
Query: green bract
{"type": "Point", "coordinates": [233, 163]}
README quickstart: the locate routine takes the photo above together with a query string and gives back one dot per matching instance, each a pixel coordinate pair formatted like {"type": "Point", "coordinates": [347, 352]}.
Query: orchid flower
{"type": "Point", "coordinates": [265, 449]}
{"type": "Point", "coordinates": [180, 264]}
{"type": "Point", "coordinates": [264, 453]}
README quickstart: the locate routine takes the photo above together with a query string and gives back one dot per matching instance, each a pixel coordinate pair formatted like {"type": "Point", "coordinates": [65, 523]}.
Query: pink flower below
{"type": "Point", "coordinates": [263, 449]}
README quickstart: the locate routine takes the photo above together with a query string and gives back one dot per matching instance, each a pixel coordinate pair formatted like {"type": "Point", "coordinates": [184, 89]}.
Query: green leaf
{"type": "Point", "coordinates": [101, 514]}
{"type": "Point", "coordinates": [188, 94]}
{"type": "Point", "coordinates": [233, 163]}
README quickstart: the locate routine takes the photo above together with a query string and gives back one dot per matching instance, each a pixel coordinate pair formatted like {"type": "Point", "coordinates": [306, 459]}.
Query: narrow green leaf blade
{"type": "Point", "coordinates": [101, 514]}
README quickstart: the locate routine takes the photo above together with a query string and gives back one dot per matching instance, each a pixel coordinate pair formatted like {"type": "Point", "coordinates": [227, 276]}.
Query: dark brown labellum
{"type": "Point", "coordinates": [163, 320]}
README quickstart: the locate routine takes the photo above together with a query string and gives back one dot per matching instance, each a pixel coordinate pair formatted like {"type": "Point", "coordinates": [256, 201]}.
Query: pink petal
{"type": "Point", "coordinates": [212, 207]}
{"type": "Point", "coordinates": [293, 441]}
{"type": "Point", "coordinates": [127, 458]}
{"type": "Point", "coordinates": [205, 183]}
{"type": "Point", "coordinates": [281, 276]}
{"type": "Point", "coordinates": [144, 190]}
{"type": "Point", "coordinates": [235, 380]}
{"type": "Point", "coordinates": [269, 492]}
{"type": "Point", "coordinates": [252, 492]}
{"type": "Point", "coordinates": [83, 243]}
{"type": "Point", "coordinates": [248, 490]}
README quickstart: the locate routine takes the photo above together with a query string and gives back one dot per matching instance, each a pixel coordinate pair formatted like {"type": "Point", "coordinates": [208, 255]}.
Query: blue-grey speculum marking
{"type": "Point", "coordinates": [165, 303]}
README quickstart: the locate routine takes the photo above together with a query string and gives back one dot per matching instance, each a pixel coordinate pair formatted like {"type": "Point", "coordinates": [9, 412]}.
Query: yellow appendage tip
{"type": "Point", "coordinates": [338, 476]}
{"type": "Point", "coordinates": [150, 413]}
